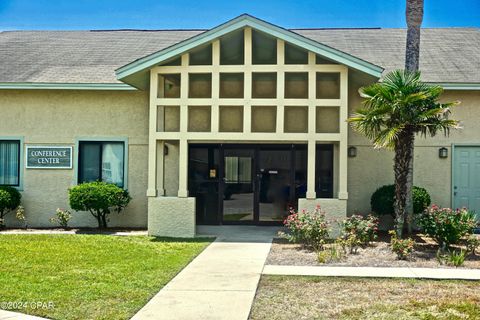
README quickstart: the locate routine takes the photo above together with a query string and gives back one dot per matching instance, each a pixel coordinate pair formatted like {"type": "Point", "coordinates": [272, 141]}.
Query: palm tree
{"type": "Point", "coordinates": [393, 112]}
{"type": "Point", "coordinates": [414, 17]}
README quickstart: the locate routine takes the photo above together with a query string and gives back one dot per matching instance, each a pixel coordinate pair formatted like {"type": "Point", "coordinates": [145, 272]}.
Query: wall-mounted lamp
{"type": "Point", "coordinates": [352, 152]}
{"type": "Point", "coordinates": [443, 153]}
{"type": "Point", "coordinates": [165, 150]}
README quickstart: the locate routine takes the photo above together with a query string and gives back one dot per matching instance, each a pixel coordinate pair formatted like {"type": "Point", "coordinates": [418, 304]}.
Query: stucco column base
{"type": "Point", "coordinates": [335, 210]}
{"type": "Point", "coordinates": [171, 217]}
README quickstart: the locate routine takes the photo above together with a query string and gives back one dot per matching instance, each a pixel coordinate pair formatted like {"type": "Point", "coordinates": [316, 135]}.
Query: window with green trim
{"type": "Point", "coordinates": [10, 163]}
{"type": "Point", "coordinates": [101, 161]}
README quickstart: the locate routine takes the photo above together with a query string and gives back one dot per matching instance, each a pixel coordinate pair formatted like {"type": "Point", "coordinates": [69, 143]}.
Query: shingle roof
{"type": "Point", "coordinates": [447, 54]}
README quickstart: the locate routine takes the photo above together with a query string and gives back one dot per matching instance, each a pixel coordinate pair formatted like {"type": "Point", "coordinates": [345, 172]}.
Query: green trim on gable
{"type": "Point", "coordinates": [457, 85]}
{"type": "Point", "coordinates": [242, 21]}
{"type": "Point", "coordinates": [65, 86]}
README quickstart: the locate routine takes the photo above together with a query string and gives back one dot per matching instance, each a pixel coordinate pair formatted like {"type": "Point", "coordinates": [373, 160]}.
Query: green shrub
{"type": "Point", "coordinates": [446, 226]}
{"type": "Point", "coordinates": [472, 243]}
{"type": "Point", "coordinates": [382, 200]}
{"type": "Point", "coordinates": [364, 228]}
{"type": "Point", "coordinates": [98, 198]}
{"type": "Point", "coordinates": [62, 217]}
{"type": "Point", "coordinates": [9, 201]}
{"type": "Point", "coordinates": [330, 254]}
{"type": "Point", "coordinates": [452, 258]}
{"type": "Point", "coordinates": [357, 231]}
{"type": "Point", "coordinates": [403, 248]}
{"type": "Point", "coordinates": [349, 243]}
{"type": "Point", "coordinates": [307, 228]}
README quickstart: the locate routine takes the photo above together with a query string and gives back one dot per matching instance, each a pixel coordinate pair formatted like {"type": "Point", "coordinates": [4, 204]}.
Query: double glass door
{"type": "Point", "coordinates": [246, 184]}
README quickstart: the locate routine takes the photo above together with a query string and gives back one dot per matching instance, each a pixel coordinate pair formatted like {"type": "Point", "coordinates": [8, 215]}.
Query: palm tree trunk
{"type": "Point", "coordinates": [409, 199]}
{"type": "Point", "coordinates": [403, 158]}
{"type": "Point", "coordinates": [414, 16]}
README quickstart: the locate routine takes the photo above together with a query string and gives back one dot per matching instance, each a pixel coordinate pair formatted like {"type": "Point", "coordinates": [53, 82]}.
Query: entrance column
{"type": "Point", "coordinates": [152, 140]}
{"type": "Point", "coordinates": [311, 194]}
{"type": "Point", "coordinates": [183, 169]}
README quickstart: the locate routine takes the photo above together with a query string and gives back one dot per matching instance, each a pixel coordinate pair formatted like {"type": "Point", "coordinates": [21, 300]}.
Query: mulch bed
{"type": "Point", "coordinates": [377, 254]}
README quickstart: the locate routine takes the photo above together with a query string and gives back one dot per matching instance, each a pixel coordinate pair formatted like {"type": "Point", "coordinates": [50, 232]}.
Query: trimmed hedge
{"type": "Point", "coordinates": [383, 198]}
{"type": "Point", "coordinates": [98, 198]}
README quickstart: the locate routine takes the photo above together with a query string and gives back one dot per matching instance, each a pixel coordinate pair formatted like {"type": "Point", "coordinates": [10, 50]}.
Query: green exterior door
{"type": "Point", "coordinates": [466, 178]}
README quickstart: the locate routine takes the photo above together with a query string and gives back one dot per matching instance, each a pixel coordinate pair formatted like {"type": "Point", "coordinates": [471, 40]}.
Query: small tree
{"type": "Point", "coordinates": [98, 198]}
{"type": "Point", "coordinates": [395, 110]}
{"type": "Point", "coordinates": [9, 201]}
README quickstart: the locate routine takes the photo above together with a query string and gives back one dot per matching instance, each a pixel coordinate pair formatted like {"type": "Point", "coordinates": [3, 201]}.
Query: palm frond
{"type": "Point", "coordinates": [401, 102]}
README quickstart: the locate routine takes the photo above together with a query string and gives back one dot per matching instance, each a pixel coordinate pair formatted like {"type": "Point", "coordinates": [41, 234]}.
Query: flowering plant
{"type": "Point", "coordinates": [364, 228]}
{"type": "Point", "coordinates": [62, 217]}
{"type": "Point", "coordinates": [446, 226]}
{"type": "Point", "coordinates": [402, 247]}
{"type": "Point", "coordinates": [307, 228]}
{"type": "Point", "coordinates": [357, 231]}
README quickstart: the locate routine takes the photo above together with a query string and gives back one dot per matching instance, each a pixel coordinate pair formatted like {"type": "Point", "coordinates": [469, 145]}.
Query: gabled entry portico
{"type": "Point", "coordinates": [253, 88]}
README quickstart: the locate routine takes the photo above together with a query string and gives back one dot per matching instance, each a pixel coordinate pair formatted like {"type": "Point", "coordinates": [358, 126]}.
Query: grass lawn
{"type": "Point", "coordinates": [292, 297]}
{"type": "Point", "coordinates": [89, 276]}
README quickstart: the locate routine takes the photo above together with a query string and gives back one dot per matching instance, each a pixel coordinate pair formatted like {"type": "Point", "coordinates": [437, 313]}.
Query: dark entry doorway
{"type": "Point", "coordinates": [246, 184]}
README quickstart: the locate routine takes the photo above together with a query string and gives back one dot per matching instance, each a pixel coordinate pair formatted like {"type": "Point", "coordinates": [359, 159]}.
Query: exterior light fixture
{"type": "Point", "coordinates": [352, 152]}
{"type": "Point", "coordinates": [443, 153]}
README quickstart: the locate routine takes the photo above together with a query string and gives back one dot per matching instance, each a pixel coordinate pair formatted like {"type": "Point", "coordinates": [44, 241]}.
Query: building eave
{"type": "Point", "coordinates": [65, 86]}
{"type": "Point", "coordinates": [457, 85]}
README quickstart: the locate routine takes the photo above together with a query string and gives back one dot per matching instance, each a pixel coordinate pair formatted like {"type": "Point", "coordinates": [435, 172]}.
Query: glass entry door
{"type": "Point", "coordinates": [275, 183]}
{"type": "Point", "coordinates": [246, 184]}
{"type": "Point", "coordinates": [238, 185]}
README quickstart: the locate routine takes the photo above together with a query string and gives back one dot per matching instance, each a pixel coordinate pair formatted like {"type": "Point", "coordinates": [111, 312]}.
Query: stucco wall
{"type": "Point", "coordinates": [61, 117]}
{"type": "Point", "coordinates": [171, 217]}
{"type": "Point", "coordinates": [374, 168]}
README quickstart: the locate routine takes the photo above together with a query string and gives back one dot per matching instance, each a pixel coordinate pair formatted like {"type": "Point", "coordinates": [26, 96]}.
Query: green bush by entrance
{"type": "Point", "coordinates": [383, 198]}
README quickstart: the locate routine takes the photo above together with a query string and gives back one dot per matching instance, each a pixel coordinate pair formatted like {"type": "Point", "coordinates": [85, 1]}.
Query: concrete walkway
{"type": "Point", "coordinates": [375, 272]}
{"type": "Point", "coordinates": [221, 282]}
{"type": "Point", "coordinates": [9, 315]}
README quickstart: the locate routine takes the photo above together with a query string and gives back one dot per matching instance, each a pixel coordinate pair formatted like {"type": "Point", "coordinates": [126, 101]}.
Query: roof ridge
{"type": "Point", "coordinates": [203, 30]}
{"type": "Point", "coordinates": [106, 30]}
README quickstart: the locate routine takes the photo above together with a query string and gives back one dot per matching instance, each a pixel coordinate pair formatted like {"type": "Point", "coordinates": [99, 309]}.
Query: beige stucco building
{"type": "Point", "coordinates": [230, 125]}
